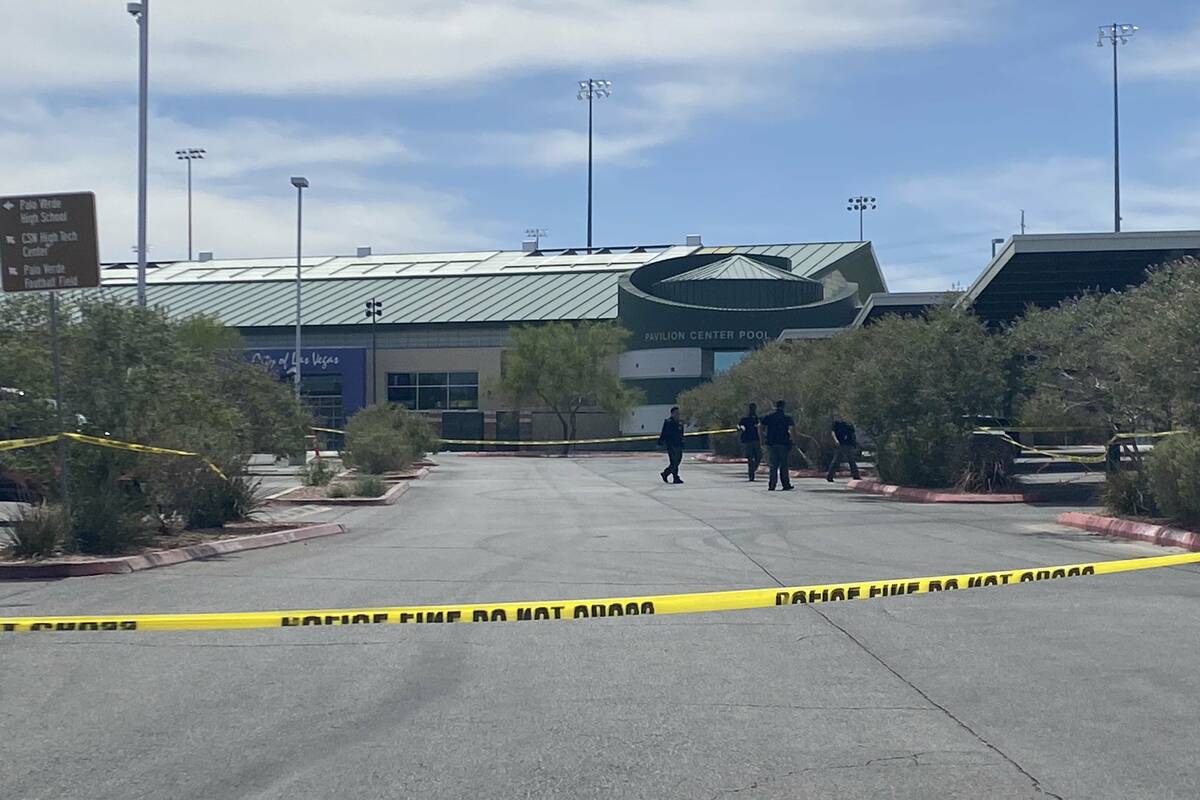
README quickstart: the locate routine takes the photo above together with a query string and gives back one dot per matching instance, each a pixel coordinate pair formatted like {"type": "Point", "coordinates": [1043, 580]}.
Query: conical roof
{"type": "Point", "coordinates": [735, 268]}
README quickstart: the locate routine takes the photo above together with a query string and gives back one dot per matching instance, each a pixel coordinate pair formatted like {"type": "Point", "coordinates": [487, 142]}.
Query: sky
{"type": "Point", "coordinates": [439, 125]}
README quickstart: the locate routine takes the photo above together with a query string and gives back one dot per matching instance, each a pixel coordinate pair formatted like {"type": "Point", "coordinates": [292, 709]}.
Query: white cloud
{"type": "Point", "coordinates": [1163, 57]}
{"type": "Point", "coordinates": [658, 112]}
{"type": "Point", "coordinates": [287, 47]}
{"type": "Point", "coordinates": [244, 205]}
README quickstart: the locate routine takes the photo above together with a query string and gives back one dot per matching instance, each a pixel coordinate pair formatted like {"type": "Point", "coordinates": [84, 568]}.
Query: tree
{"type": "Point", "coordinates": [566, 368]}
{"type": "Point", "coordinates": [133, 374]}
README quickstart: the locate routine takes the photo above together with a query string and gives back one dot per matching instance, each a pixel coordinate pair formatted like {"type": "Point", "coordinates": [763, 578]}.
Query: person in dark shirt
{"type": "Point", "coordinates": [846, 440]}
{"type": "Point", "coordinates": [751, 443]}
{"type": "Point", "coordinates": [778, 429]}
{"type": "Point", "coordinates": [672, 439]}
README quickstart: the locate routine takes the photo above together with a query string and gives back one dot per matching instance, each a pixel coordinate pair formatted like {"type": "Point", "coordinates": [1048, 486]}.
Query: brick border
{"type": "Point", "coordinates": [915, 495]}
{"type": "Point", "coordinates": [165, 558]}
{"type": "Point", "coordinates": [1129, 529]}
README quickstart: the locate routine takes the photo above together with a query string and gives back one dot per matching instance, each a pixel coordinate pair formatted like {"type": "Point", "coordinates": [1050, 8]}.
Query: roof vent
{"type": "Point", "coordinates": [693, 240]}
{"type": "Point", "coordinates": [529, 246]}
{"type": "Point", "coordinates": [362, 252]}
{"type": "Point", "coordinates": [205, 255]}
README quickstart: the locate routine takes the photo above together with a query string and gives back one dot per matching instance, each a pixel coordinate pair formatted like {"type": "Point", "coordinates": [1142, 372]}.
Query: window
{"type": "Point", "coordinates": [434, 391]}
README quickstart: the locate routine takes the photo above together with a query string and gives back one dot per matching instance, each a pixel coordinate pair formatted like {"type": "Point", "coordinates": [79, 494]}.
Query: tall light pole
{"type": "Point", "coordinates": [1116, 34]}
{"type": "Point", "coordinates": [189, 155]}
{"type": "Point", "coordinates": [141, 13]}
{"type": "Point", "coordinates": [537, 234]}
{"type": "Point", "coordinates": [860, 204]}
{"type": "Point", "coordinates": [590, 90]}
{"type": "Point", "coordinates": [374, 311]}
{"type": "Point", "coordinates": [994, 243]}
{"type": "Point", "coordinates": [301, 184]}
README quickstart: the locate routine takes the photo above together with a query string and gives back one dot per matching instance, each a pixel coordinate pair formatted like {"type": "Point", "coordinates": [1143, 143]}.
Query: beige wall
{"type": "Point", "coordinates": [485, 361]}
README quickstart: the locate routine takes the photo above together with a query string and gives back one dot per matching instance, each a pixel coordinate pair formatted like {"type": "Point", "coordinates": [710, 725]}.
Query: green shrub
{"type": "Point", "coordinates": [928, 453]}
{"type": "Point", "coordinates": [339, 490]}
{"type": "Point", "coordinates": [385, 438]}
{"type": "Point", "coordinates": [1128, 493]}
{"type": "Point", "coordinates": [1173, 473]}
{"type": "Point", "coordinates": [108, 521]}
{"type": "Point", "coordinates": [218, 501]}
{"type": "Point", "coordinates": [39, 531]}
{"type": "Point", "coordinates": [369, 486]}
{"type": "Point", "coordinates": [319, 472]}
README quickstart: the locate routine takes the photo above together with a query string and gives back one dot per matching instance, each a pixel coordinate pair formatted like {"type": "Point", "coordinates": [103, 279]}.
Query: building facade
{"type": "Point", "coordinates": [693, 311]}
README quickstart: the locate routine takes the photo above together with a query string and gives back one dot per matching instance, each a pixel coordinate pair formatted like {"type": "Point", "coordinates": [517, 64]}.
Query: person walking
{"type": "Point", "coordinates": [846, 440]}
{"type": "Point", "coordinates": [751, 441]}
{"type": "Point", "coordinates": [672, 439]}
{"type": "Point", "coordinates": [778, 429]}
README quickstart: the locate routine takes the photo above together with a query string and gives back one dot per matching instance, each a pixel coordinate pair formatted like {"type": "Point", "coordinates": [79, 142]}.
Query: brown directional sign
{"type": "Point", "coordinates": [48, 241]}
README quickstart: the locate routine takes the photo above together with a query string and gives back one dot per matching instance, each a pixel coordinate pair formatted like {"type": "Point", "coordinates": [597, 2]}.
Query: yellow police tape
{"type": "Point", "coordinates": [537, 610]}
{"type": "Point", "coordinates": [114, 444]}
{"type": "Point", "coordinates": [33, 441]}
{"type": "Point", "coordinates": [1060, 456]}
{"type": "Point", "coordinates": [552, 442]}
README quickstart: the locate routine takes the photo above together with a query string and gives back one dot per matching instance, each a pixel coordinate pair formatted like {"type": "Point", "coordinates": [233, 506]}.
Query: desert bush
{"type": "Point", "coordinates": [386, 438]}
{"type": "Point", "coordinates": [1173, 477]}
{"type": "Point", "coordinates": [1128, 493]}
{"type": "Point", "coordinates": [368, 486]}
{"type": "Point", "coordinates": [39, 531]}
{"type": "Point", "coordinates": [339, 491]}
{"type": "Point", "coordinates": [318, 472]}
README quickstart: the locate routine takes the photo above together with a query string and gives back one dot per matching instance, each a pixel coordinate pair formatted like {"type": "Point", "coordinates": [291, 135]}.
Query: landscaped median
{"type": "Point", "coordinates": [916, 495]}
{"type": "Point", "coordinates": [78, 566]}
{"type": "Point", "coordinates": [339, 488]}
{"type": "Point", "coordinates": [1132, 529]}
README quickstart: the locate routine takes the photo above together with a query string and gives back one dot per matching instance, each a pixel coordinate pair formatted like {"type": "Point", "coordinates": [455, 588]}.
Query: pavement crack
{"type": "Point", "coordinates": [1037, 785]}
{"type": "Point", "coordinates": [694, 518]}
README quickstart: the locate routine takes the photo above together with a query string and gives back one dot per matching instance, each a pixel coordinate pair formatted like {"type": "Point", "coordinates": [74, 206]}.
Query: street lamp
{"type": "Point", "coordinates": [860, 204]}
{"type": "Point", "coordinates": [994, 243]}
{"type": "Point", "coordinates": [301, 184]}
{"type": "Point", "coordinates": [189, 155]}
{"type": "Point", "coordinates": [589, 90]}
{"type": "Point", "coordinates": [141, 14]}
{"type": "Point", "coordinates": [1116, 33]}
{"type": "Point", "coordinates": [374, 311]}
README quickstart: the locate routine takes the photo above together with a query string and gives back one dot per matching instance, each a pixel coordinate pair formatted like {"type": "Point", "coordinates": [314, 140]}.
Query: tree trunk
{"type": "Point", "coordinates": [566, 433]}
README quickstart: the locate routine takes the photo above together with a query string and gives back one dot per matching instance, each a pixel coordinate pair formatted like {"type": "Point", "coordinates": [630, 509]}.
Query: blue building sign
{"type": "Point", "coordinates": [333, 380]}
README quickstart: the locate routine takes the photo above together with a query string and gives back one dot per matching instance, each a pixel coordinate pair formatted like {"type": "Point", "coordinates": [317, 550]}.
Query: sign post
{"type": "Point", "coordinates": [48, 242]}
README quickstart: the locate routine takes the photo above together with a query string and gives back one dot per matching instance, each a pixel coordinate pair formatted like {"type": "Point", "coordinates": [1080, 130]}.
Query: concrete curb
{"type": "Point", "coordinates": [1129, 529]}
{"type": "Point", "coordinates": [391, 496]}
{"type": "Point", "coordinates": [165, 558]}
{"type": "Point", "coordinates": [929, 495]}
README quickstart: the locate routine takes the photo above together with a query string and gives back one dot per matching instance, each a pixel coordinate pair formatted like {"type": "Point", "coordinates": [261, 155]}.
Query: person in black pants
{"type": "Point", "coordinates": [751, 443]}
{"type": "Point", "coordinates": [672, 439]}
{"type": "Point", "coordinates": [778, 429]}
{"type": "Point", "coordinates": [846, 440]}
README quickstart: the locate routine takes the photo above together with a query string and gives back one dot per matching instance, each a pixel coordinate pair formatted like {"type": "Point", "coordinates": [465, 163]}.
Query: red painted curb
{"type": "Point", "coordinates": [164, 558]}
{"type": "Point", "coordinates": [929, 495]}
{"type": "Point", "coordinates": [1129, 529]}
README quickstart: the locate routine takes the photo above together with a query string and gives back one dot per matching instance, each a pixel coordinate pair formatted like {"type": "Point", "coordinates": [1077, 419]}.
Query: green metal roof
{"type": "Point", "coordinates": [406, 301]}
{"type": "Point", "coordinates": [496, 287]}
{"type": "Point", "coordinates": [735, 268]}
{"type": "Point", "coordinates": [807, 259]}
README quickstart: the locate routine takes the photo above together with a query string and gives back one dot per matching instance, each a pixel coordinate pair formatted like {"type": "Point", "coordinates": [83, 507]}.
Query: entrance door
{"type": "Point", "coordinates": [322, 393]}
